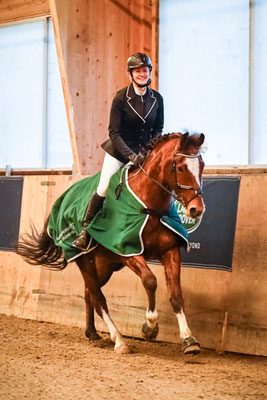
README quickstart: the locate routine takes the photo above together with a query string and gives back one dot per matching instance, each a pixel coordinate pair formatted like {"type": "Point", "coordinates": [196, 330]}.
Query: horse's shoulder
{"type": "Point", "coordinates": [155, 230]}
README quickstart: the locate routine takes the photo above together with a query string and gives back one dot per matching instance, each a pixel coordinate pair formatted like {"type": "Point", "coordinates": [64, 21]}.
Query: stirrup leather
{"type": "Point", "coordinates": [91, 245]}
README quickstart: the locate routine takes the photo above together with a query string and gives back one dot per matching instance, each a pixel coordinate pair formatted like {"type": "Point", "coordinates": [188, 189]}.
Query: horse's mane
{"type": "Point", "coordinates": [188, 142]}
{"type": "Point", "coordinates": [161, 139]}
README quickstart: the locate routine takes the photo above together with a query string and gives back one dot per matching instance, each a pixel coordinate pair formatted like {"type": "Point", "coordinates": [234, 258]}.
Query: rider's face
{"type": "Point", "coordinates": [141, 75]}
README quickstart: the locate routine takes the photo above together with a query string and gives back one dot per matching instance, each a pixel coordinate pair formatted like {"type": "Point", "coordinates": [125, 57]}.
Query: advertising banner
{"type": "Point", "coordinates": [211, 237]}
{"type": "Point", "coordinates": [10, 206]}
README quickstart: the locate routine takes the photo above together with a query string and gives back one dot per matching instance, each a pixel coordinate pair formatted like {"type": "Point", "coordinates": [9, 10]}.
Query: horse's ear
{"type": "Point", "coordinates": [201, 138]}
{"type": "Point", "coordinates": [184, 140]}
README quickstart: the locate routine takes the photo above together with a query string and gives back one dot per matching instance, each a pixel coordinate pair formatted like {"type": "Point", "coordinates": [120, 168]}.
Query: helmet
{"type": "Point", "coordinates": [138, 60]}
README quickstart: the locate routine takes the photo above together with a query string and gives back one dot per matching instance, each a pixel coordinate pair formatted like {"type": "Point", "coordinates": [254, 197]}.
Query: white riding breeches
{"type": "Point", "coordinates": [110, 166]}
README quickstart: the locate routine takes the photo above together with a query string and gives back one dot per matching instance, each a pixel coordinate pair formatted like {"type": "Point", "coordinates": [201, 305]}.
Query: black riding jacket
{"type": "Point", "coordinates": [134, 121]}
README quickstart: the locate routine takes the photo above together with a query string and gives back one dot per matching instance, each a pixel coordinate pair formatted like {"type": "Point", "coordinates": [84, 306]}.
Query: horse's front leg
{"type": "Point", "coordinates": [172, 263]}
{"type": "Point", "coordinates": [95, 298]}
{"type": "Point", "coordinates": [138, 265]}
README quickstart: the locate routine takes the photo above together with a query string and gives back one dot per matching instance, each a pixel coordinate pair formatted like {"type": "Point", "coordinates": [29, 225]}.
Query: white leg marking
{"type": "Point", "coordinates": [114, 333]}
{"type": "Point", "coordinates": [193, 166]}
{"type": "Point", "coordinates": [184, 330]}
{"type": "Point", "coordinates": [152, 317]}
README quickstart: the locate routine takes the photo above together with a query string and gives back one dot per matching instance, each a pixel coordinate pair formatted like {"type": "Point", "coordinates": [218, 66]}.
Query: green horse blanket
{"type": "Point", "coordinates": [119, 224]}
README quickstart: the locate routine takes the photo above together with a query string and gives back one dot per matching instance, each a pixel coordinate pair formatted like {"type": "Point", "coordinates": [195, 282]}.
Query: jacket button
{"type": "Point", "coordinates": [142, 130]}
{"type": "Point", "coordinates": [141, 137]}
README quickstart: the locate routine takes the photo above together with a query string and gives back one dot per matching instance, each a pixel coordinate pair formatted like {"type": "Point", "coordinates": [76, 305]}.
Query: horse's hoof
{"type": "Point", "coordinates": [190, 346]}
{"type": "Point", "coordinates": [93, 336]}
{"type": "Point", "coordinates": [122, 349]}
{"type": "Point", "coordinates": [149, 333]}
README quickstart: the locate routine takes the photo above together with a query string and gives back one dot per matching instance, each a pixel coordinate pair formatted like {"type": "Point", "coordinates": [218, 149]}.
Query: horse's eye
{"type": "Point", "coordinates": [180, 169]}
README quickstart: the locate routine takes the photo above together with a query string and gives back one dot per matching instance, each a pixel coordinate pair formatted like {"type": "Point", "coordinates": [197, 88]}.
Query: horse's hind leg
{"type": "Point", "coordinates": [138, 265]}
{"type": "Point", "coordinates": [97, 301]}
{"type": "Point", "coordinates": [90, 331]}
{"type": "Point", "coordinates": [171, 262]}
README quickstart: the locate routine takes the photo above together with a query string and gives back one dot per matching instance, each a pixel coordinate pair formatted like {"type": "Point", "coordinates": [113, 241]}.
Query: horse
{"type": "Point", "coordinates": [172, 168]}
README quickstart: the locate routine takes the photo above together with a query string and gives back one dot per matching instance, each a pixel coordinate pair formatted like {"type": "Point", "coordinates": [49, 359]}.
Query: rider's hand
{"type": "Point", "coordinates": [136, 159]}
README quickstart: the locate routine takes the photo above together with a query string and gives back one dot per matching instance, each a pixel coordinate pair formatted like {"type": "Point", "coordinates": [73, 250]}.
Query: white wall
{"type": "Point", "coordinates": [258, 153]}
{"type": "Point", "coordinates": [34, 132]}
{"type": "Point", "coordinates": [21, 95]}
{"type": "Point", "coordinates": [204, 74]}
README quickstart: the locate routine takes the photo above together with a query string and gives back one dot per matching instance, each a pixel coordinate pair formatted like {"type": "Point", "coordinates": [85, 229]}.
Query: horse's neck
{"type": "Point", "coordinates": [152, 195]}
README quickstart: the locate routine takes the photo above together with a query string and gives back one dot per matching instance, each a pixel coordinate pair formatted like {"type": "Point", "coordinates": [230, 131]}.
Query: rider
{"type": "Point", "coordinates": [136, 117]}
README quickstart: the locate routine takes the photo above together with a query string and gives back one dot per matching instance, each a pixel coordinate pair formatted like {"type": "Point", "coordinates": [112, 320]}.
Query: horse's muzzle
{"type": "Point", "coordinates": [195, 212]}
{"type": "Point", "coordinates": [195, 207]}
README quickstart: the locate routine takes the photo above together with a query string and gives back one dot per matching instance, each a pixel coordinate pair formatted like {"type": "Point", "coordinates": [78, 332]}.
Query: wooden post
{"type": "Point", "coordinates": [65, 86]}
{"type": "Point", "coordinates": [155, 42]}
{"type": "Point", "coordinates": [221, 348]}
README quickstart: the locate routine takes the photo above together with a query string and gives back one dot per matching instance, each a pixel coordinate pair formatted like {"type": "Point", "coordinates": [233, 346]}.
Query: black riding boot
{"type": "Point", "coordinates": [84, 241]}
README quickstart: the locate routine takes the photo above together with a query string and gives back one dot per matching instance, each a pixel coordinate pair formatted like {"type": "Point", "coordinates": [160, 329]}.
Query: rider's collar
{"type": "Point", "coordinates": [138, 93]}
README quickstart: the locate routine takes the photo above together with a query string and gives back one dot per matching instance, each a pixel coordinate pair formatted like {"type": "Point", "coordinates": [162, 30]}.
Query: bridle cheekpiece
{"type": "Point", "coordinates": [198, 191]}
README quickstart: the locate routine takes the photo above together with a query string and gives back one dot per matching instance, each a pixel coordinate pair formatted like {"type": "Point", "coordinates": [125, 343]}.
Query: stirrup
{"type": "Point", "coordinates": [81, 241]}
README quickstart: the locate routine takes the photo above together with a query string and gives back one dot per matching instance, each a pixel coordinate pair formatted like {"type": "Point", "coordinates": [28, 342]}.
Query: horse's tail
{"type": "Point", "coordinates": [40, 249]}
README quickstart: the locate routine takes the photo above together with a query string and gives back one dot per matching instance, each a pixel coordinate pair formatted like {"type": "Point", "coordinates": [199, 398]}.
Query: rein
{"type": "Point", "coordinates": [159, 184]}
{"type": "Point", "coordinates": [179, 197]}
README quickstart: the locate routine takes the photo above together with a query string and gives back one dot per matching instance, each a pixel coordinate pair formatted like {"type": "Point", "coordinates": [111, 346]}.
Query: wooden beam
{"type": "Point", "coordinates": [65, 85]}
{"type": "Point", "coordinates": [235, 170]}
{"type": "Point", "coordinates": [15, 10]}
{"type": "Point", "coordinates": [155, 43]}
{"type": "Point", "coordinates": [29, 171]}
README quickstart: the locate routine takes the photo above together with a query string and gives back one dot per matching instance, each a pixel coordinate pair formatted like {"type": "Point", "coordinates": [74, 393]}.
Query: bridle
{"type": "Point", "coordinates": [198, 191]}
{"type": "Point", "coordinates": [179, 197]}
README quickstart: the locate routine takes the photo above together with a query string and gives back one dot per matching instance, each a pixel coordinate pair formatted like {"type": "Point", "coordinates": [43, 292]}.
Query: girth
{"type": "Point", "coordinates": [154, 213]}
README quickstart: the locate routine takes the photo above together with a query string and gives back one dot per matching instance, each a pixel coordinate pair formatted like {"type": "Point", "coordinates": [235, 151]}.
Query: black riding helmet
{"type": "Point", "coordinates": [138, 60]}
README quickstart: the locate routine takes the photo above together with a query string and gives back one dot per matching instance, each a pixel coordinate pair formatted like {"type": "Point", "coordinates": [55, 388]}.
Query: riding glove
{"type": "Point", "coordinates": [137, 159]}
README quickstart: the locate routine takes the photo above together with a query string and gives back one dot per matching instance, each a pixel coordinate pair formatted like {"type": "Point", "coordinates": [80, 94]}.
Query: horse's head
{"type": "Point", "coordinates": [187, 168]}
{"type": "Point", "coordinates": [182, 166]}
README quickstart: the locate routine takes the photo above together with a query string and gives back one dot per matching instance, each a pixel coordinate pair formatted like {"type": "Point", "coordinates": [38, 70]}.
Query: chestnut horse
{"type": "Point", "coordinates": [172, 168]}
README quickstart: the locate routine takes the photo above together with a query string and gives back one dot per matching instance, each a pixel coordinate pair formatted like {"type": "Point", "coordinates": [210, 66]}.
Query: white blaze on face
{"type": "Point", "coordinates": [193, 166]}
